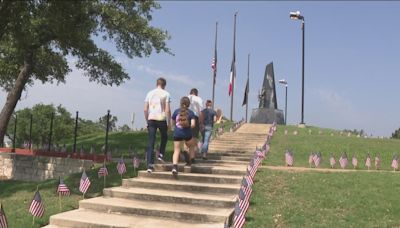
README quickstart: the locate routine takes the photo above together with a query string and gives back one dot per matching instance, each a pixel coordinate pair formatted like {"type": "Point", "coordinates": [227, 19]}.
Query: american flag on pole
{"type": "Point", "coordinates": [136, 162]}
{"type": "Point", "coordinates": [395, 163]}
{"type": "Point", "coordinates": [3, 219]}
{"type": "Point", "coordinates": [103, 171]}
{"type": "Point", "coordinates": [332, 161]}
{"type": "Point", "coordinates": [311, 159]}
{"type": "Point", "coordinates": [239, 218]}
{"type": "Point", "coordinates": [243, 203]}
{"type": "Point", "coordinates": [121, 166]}
{"type": "Point", "coordinates": [343, 160]}
{"type": "Point", "coordinates": [249, 180]}
{"type": "Point", "coordinates": [62, 188]}
{"type": "Point", "coordinates": [377, 161]}
{"type": "Point", "coordinates": [354, 161]}
{"type": "Point", "coordinates": [289, 158]}
{"type": "Point", "coordinates": [37, 208]}
{"type": "Point", "coordinates": [84, 183]}
{"type": "Point", "coordinates": [368, 161]}
{"type": "Point", "coordinates": [317, 159]}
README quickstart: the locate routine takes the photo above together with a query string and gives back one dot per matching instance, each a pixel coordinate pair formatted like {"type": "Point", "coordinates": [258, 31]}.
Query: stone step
{"type": "Point", "coordinates": [193, 177]}
{"type": "Point", "coordinates": [230, 154]}
{"type": "Point", "coordinates": [181, 197]}
{"type": "Point", "coordinates": [213, 156]}
{"type": "Point", "coordinates": [198, 161]}
{"type": "Point", "coordinates": [90, 219]}
{"type": "Point", "coordinates": [180, 212]}
{"type": "Point", "coordinates": [205, 168]}
{"type": "Point", "coordinates": [153, 183]}
{"type": "Point", "coordinates": [231, 151]}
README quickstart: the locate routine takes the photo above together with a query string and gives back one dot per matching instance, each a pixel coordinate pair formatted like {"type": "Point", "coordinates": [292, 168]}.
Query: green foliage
{"type": "Point", "coordinates": [396, 134]}
{"type": "Point", "coordinates": [112, 124]}
{"type": "Point", "coordinates": [63, 124]}
{"type": "Point", "coordinates": [125, 128]}
{"type": "Point", "coordinates": [52, 30]}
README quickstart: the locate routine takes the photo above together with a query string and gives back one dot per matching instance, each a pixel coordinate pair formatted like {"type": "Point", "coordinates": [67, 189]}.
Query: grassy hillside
{"type": "Point", "coordinates": [304, 143]}
{"type": "Point", "coordinates": [16, 196]}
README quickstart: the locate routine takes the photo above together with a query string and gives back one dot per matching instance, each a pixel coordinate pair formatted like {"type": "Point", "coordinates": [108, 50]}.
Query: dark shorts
{"type": "Point", "coordinates": [196, 129]}
{"type": "Point", "coordinates": [182, 138]}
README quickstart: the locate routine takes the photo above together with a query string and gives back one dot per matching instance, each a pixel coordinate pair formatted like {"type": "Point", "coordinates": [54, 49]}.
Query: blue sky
{"type": "Point", "coordinates": [351, 63]}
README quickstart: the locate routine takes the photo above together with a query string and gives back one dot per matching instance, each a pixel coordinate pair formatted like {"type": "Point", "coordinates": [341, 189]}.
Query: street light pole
{"type": "Point", "coordinates": [297, 16]}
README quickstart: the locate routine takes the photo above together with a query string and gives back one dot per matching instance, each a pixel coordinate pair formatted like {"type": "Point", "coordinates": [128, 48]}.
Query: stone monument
{"type": "Point", "coordinates": [267, 111]}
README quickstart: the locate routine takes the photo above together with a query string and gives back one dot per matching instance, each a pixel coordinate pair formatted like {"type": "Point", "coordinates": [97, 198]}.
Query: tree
{"type": "Point", "coordinates": [124, 128]}
{"type": "Point", "coordinates": [396, 134]}
{"type": "Point", "coordinates": [112, 123]}
{"type": "Point", "coordinates": [37, 36]}
{"type": "Point", "coordinates": [63, 124]}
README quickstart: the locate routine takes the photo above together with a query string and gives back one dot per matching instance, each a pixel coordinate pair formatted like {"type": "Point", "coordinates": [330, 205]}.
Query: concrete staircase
{"type": "Point", "coordinates": [201, 196]}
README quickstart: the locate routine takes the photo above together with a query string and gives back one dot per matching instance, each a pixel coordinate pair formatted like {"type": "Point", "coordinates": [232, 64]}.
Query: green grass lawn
{"type": "Point", "coordinates": [314, 199]}
{"type": "Point", "coordinates": [16, 196]}
{"type": "Point", "coordinates": [304, 143]}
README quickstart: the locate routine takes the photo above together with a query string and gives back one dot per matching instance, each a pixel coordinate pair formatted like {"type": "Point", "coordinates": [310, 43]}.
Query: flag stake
{"type": "Point", "coordinates": [59, 199]}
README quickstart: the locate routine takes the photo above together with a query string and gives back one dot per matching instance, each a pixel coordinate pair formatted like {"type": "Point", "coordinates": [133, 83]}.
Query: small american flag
{"type": "Point", "coordinates": [332, 161]}
{"type": "Point", "coordinates": [354, 161]}
{"type": "Point", "coordinates": [343, 160]}
{"type": "Point", "coordinates": [311, 159]}
{"type": "Point", "coordinates": [136, 162]}
{"type": "Point", "coordinates": [239, 219]}
{"type": "Point", "coordinates": [121, 167]}
{"type": "Point", "coordinates": [249, 180]}
{"type": "Point", "coordinates": [368, 161]}
{"type": "Point", "coordinates": [62, 188]}
{"type": "Point", "coordinates": [377, 162]}
{"type": "Point", "coordinates": [84, 183]}
{"type": "Point", "coordinates": [395, 162]}
{"type": "Point", "coordinates": [289, 158]}
{"type": "Point", "coordinates": [3, 219]}
{"type": "Point", "coordinates": [103, 171]}
{"type": "Point", "coordinates": [317, 159]}
{"type": "Point", "coordinates": [37, 208]}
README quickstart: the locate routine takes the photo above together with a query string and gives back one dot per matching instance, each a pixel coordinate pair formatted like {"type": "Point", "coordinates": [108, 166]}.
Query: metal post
{"type": "Point", "coordinates": [75, 131]}
{"type": "Point", "coordinates": [247, 92]}
{"type": "Point", "coordinates": [30, 132]}
{"type": "Point", "coordinates": [302, 76]}
{"type": "Point", "coordinates": [233, 66]}
{"type": "Point", "coordinates": [215, 66]}
{"type": "Point", "coordinates": [51, 131]}
{"type": "Point", "coordinates": [107, 127]}
{"type": "Point", "coordinates": [286, 105]}
{"type": "Point", "coordinates": [15, 131]}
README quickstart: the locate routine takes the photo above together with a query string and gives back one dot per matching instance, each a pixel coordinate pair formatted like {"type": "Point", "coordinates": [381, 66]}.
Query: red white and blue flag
{"type": "Point", "coordinates": [103, 171]}
{"type": "Point", "coordinates": [121, 167]}
{"type": "Point", "coordinates": [317, 159]}
{"type": "Point", "coordinates": [62, 188]}
{"type": "Point", "coordinates": [368, 161]}
{"type": "Point", "coordinates": [343, 161]}
{"type": "Point", "coordinates": [37, 208]}
{"type": "Point", "coordinates": [332, 161]}
{"type": "Point", "coordinates": [354, 161]}
{"type": "Point", "coordinates": [84, 183]}
{"type": "Point", "coordinates": [377, 161]}
{"type": "Point", "coordinates": [395, 162]}
{"type": "Point", "coordinates": [239, 218]}
{"type": "Point", "coordinates": [289, 158]}
{"type": "Point", "coordinates": [136, 162]}
{"type": "Point", "coordinates": [3, 219]}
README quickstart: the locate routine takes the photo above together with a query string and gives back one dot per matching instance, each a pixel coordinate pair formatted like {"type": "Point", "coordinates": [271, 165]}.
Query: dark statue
{"type": "Point", "coordinates": [267, 111]}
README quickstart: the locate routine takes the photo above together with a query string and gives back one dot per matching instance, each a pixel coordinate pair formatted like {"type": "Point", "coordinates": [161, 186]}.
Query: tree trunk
{"type": "Point", "coordinates": [14, 94]}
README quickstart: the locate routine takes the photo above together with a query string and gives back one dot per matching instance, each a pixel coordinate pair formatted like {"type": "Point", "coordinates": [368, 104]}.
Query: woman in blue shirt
{"type": "Point", "coordinates": [183, 120]}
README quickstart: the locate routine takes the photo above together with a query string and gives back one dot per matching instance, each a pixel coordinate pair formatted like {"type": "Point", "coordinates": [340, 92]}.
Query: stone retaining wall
{"type": "Point", "coordinates": [37, 168]}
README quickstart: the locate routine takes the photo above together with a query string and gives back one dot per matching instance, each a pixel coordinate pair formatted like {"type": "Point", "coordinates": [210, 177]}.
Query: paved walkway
{"type": "Point", "coordinates": [202, 196]}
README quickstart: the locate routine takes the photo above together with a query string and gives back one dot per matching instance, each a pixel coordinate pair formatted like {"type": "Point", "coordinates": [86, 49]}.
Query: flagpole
{"type": "Point", "coordinates": [247, 88]}
{"type": "Point", "coordinates": [233, 69]}
{"type": "Point", "coordinates": [215, 65]}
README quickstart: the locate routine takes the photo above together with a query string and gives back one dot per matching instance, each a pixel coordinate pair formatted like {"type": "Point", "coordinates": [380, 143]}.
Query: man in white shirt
{"type": "Point", "coordinates": [196, 105]}
{"type": "Point", "coordinates": [157, 113]}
